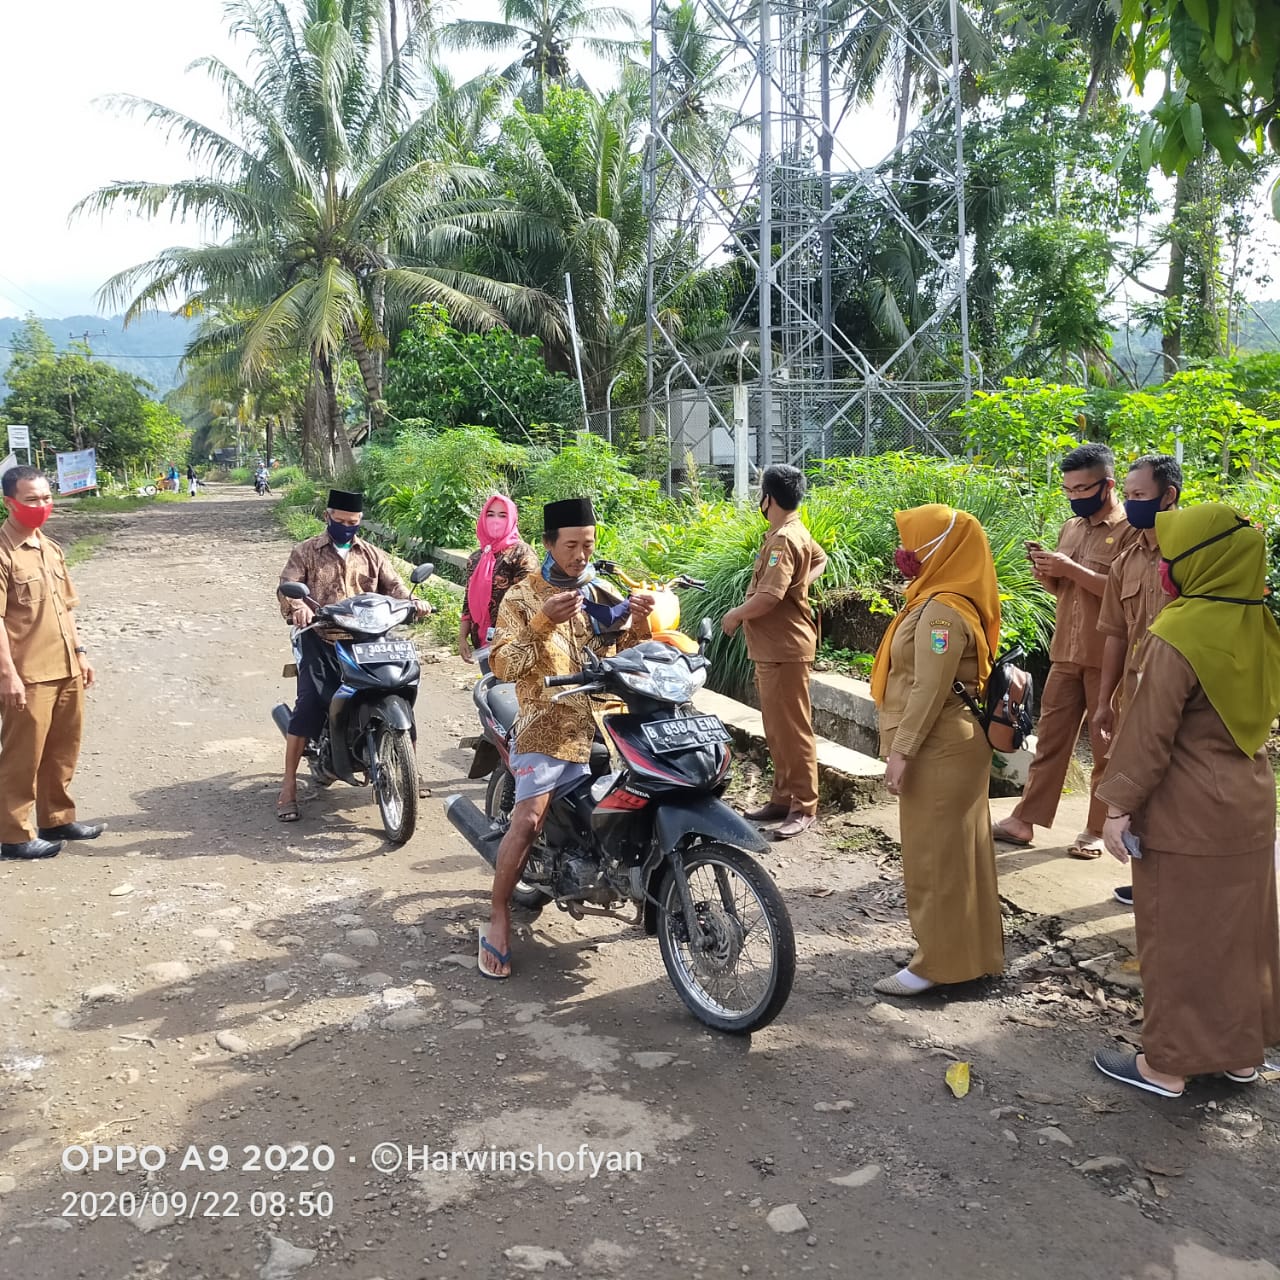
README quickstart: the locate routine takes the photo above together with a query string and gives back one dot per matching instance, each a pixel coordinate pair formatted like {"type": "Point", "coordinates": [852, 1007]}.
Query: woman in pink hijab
{"type": "Point", "coordinates": [492, 571]}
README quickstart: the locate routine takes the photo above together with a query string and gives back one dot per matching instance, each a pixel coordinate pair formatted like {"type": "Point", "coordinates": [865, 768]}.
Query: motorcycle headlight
{"type": "Point", "coordinates": [668, 684]}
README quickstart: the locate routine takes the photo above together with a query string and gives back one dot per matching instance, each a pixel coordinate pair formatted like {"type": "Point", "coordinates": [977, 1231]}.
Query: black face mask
{"type": "Point", "coordinates": [1182, 555]}
{"type": "Point", "coordinates": [1087, 507]}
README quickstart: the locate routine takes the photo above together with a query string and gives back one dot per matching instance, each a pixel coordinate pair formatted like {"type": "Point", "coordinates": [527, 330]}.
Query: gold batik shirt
{"type": "Point", "coordinates": [528, 646]}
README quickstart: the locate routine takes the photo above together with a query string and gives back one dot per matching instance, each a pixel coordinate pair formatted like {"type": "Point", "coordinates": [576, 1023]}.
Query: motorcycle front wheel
{"type": "Point", "coordinates": [740, 978]}
{"type": "Point", "coordinates": [397, 784]}
{"type": "Point", "coordinates": [499, 800]}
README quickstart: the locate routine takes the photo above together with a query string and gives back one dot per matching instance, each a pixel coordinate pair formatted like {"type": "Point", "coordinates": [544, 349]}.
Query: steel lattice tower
{"type": "Point", "coordinates": [784, 199]}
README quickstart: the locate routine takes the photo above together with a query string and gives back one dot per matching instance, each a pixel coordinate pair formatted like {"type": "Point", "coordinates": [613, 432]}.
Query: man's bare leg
{"type": "Point", "coordinates": [294, 746]}
{"type": "Point", "coordinates": [526, 821]}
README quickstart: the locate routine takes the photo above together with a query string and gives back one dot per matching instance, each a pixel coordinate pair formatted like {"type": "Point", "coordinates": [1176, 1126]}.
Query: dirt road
{"type": "Point", "coordinates": [213, 986]}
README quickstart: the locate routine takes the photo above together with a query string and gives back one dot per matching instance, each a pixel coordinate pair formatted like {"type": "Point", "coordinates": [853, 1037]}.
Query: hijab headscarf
{"type": "Point", "coordinates": [956, 564]}
{"type": "Point", "coordinates": [1219, 622]}
{"type": "Point", "coordinates": [480, 586]}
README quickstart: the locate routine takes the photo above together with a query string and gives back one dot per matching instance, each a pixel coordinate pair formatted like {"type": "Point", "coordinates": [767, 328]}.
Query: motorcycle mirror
{"type": "Point", "coordinates": [705, 631]}
{"type": "Point", "coordinates": [422, 573]}
{"type": "Point", "coordinates": [293, 590]}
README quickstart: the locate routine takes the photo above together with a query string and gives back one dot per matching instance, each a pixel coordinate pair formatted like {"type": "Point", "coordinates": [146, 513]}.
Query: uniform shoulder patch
{"type": "Point", "coordinates": [940, 638]}
{"type": "Point", "coordinates": [773, 558]}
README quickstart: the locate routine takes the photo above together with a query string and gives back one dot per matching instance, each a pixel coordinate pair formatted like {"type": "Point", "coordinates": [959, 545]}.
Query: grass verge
{"type": "Point", "coordinates": [83, 548]}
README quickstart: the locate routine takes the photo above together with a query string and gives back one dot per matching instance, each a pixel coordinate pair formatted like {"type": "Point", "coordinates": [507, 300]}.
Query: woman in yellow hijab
{"type": "Point", "coordinates": [1191, 797]}
{"type": "Point", "coordinates": [939, 761]}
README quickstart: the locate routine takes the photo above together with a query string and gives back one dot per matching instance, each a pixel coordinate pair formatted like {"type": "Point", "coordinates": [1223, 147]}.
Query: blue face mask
{"type": "Point", "coordinates": [342, 534]}
{"type": "Point", "coordinates": [1141, 513]}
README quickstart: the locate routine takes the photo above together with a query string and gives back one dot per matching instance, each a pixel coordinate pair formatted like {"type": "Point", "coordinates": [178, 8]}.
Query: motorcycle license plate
{"type": "Point", "coordinates": [687, 731]}
{"type": "Point", "coordinates": [383, 651]}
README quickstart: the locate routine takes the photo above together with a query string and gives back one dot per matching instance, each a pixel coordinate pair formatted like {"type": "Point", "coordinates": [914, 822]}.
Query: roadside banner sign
{"type": "Point", "coordinates": [19, 437]}
{"type": "Point", "coordinates": [77, 472]}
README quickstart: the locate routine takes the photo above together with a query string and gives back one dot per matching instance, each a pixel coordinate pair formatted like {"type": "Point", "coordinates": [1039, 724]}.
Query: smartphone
{"type": "Point", "coordinates": [1032, 546]}
{"type": "Point", "coordinates": [1131, 844]}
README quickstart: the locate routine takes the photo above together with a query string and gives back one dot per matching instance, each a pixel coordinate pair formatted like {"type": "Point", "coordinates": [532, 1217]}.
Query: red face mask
{"type": "Point", "coordinates": [29, 517]}
{"type": "Point", "coordinates": [1166, 581]}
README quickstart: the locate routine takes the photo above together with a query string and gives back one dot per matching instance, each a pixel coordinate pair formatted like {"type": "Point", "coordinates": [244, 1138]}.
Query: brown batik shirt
{"type": "Point", "coordinates": [331, 577]}
{"type": "Point", "coordinates": [510, 566]}
{"type": "Point", "coordinates": [529, 646]}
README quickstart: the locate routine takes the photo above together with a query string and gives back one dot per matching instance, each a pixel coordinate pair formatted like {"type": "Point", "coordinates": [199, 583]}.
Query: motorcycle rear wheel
{"type": "Point", "coordinates": [728, 988]}
{"type": "Point", "coordinates": [499, 800]}
{"type": "Point", "coordinates": [397, 784]}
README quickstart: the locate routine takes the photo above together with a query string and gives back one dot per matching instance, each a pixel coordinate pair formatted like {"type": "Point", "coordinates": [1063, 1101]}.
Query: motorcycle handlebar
{"type": "Point", "coordinates": [554, 682]}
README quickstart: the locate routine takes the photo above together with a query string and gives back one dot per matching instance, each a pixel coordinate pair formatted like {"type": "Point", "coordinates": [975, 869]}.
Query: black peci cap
{"type": "Point", "coordinates": [568, 513]}
{"type": "Point", "coordinates": [342, 500]}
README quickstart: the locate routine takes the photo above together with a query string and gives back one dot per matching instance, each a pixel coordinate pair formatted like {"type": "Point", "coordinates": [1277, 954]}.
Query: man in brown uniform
{"type": "Point", "coordinates": [1134, 594]}
{"type": "Point", "coordinates": [782, 640]}
{"type": "Point", "coordinates": [1077, 574]}
{"type": "Point", "coordinates": [44, 671]}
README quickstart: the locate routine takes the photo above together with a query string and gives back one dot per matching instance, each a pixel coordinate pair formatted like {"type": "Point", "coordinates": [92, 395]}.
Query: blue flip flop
{"type": "Point", "coordinates": [1124, 1067]}
{"type": "Point", "coordinates": [502, 957]}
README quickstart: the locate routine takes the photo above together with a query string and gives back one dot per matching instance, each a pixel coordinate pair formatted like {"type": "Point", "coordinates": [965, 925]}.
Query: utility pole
{"type": "Point", "coordinates": [86, 335]}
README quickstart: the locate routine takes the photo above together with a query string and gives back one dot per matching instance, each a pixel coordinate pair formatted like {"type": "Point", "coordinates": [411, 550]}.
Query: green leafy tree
{"type": "Point", "coordinates": [1221, 64]}
{"type": "Point", "coordinates": [452, 379]}
{"type": "Point", "coordinates": [72, 402]}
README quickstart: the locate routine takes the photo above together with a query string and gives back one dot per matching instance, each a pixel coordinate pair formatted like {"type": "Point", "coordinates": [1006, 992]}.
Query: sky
{"type": "Point", "coordinates": [58, 141]}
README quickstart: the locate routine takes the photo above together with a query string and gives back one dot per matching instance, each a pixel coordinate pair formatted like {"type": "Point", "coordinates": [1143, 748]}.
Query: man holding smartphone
{"type": "Point", "coordinates": [1077, 574]}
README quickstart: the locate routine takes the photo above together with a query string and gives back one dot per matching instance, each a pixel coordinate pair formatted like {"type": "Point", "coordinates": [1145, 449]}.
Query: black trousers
{"type": "Point", "coordinates": [318, 679]}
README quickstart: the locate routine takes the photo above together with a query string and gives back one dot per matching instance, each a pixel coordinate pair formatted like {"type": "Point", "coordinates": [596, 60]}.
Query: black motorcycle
{"type": "Point", "coordinates": [368, 737]}
{"type": "Point", "coordinates": [654, 834]}
{"type": "Point", "coordinates": [261, 485]}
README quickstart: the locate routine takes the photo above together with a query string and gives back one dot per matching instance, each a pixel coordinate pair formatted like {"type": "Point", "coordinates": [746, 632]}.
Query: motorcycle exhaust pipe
{"type": "Point", "coordinates": [281, 714]}
{"type": "Point", "coordinates": [474, 827]}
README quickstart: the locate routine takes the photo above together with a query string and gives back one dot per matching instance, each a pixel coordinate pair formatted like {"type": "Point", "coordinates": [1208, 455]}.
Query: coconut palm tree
{"type": "Point", "coordinates": [542, 32]}
{"type": "Point", "coordinates": [321, 192]}
{"type": "Point", "coordinates": [576, 178]}
{"type": "Point", "coordinates": [889, 40]}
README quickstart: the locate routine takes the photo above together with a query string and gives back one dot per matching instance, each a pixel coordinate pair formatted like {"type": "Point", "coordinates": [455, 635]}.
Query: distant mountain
{"type": "Point", "coordinates": [150, 348]}
{"type": "Point", "coordinates": [1138, 350]}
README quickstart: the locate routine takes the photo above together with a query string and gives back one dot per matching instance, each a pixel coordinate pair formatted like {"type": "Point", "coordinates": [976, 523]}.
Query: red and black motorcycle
{"type": "Point", "coordinates": [653, 835]}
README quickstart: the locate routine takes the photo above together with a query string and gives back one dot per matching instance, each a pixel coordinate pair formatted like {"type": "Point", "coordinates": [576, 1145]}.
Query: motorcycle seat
{"type": "Point", "coordinates": [503, 704]}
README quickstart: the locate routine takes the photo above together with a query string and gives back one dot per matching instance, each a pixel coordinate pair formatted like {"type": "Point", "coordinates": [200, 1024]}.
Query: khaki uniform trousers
{"type": "Point", "coordinates": [39, 750]}
{"type": "Point", "coordinates": [1070, 696]}
{"type": "Point", "coordinates": [788, 728]}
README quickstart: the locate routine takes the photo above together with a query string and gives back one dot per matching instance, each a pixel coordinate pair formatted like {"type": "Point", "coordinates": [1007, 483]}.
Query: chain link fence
{"type": "Point", "coordinates": [808, 421]}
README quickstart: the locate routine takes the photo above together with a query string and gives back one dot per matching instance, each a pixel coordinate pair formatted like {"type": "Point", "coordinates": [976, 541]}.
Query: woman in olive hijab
{"type": "Point", "coordinates": [1191, 795]}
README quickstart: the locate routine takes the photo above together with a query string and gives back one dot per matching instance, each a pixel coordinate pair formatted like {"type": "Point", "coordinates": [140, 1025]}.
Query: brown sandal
{"type": "Point", "coordinates": [287, 812]}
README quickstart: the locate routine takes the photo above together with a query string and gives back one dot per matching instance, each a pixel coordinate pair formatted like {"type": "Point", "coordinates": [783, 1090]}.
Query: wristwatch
{"type": "Point", "coordinates": [81, 649]}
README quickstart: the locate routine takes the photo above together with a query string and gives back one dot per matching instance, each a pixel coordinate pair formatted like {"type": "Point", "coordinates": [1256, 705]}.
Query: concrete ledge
{"type": "Point", "coordinates": [846, 776]}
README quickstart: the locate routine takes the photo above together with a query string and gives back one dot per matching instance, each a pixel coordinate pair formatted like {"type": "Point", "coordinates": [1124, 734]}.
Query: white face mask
{"type": "Point", "coordinates": [934, 543]}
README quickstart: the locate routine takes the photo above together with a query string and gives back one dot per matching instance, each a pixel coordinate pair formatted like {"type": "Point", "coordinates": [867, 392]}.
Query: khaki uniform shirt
{"type": "Point", "coordinates": [1132, 599]}
{"type": "Point", "coordinates": [1177, 770]}
{"type": "Point", "coordinates": [527, 646]}
{"type": "Point", "coordinates": [788, 632]}
{"type": "Point", "coordinates": [1094, 543]}
{"type": "Point", "coordinates": [331, 577]}
{"type": "Point", "coordinates": [932, 648]}
{"type": "Point", "coordinates": [36, 596]}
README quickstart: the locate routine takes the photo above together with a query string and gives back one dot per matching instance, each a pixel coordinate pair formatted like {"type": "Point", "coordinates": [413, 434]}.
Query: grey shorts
{"type": "Point", "coordinates": [536, 774]}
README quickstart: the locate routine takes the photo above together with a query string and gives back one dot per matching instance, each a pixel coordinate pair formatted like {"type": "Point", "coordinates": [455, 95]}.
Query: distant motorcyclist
{"type": "Point", "coordinates": [334, 565]}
